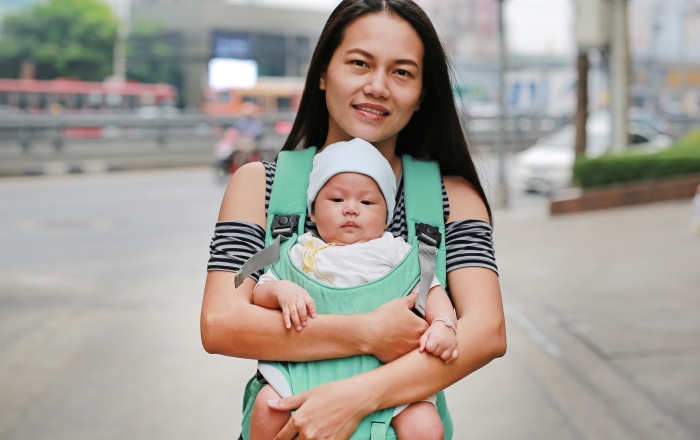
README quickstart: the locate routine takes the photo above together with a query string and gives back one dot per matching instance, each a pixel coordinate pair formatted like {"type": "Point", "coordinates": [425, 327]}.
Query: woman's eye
{"type": "Point", "coordinates": [359, 63]}
{"type": "Point", "coordinates": [402, 72]}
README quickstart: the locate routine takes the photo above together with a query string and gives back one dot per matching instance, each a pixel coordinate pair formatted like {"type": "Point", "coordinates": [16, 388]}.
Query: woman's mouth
{"type": "Point", "coordinates": [371, 111]}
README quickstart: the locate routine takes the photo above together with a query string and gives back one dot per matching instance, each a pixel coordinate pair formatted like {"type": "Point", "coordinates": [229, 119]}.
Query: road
{"type": "Point", "coordinates": [101, 279]}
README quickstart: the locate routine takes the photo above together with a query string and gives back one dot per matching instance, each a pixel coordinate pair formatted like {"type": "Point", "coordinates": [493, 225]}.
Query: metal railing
{"type": "Point", "coordinates": [27, 130]}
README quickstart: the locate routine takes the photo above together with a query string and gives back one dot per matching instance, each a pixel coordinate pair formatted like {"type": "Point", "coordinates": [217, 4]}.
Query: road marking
{"type": "Point", "coordinates": [532, 331]}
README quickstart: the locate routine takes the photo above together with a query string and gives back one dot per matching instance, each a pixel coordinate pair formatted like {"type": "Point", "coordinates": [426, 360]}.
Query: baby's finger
{"type": "Point", "coordinates": [285, 315]}
{"type": "Point", "coordinates": [423, 340]}
{"type": "Point", "coordinates": [295, 316]}
{"type": "Point", "coordinates": [301, 307]}
{"type": "Point", "coordinates": [446, 355]}
{"type": "Point", "coordinates": [431, 346]}
{"type": "Point", "coordinates": [310, 305]}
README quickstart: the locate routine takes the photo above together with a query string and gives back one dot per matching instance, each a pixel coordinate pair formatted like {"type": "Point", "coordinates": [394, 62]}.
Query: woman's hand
{"type": "Point", "coordinates": [330, 412]}
{"type": "Point", "coordinates": [396, 330]}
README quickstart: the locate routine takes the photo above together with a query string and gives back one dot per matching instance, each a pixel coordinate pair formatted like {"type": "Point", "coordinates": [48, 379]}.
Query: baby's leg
{"type": "Point", "coordinates": [265, 422]}
{"type": "Point", "coordinates": [419, 421]}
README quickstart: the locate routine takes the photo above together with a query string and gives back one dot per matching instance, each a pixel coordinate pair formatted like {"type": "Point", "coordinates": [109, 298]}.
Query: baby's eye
{"type": "Point", "coordinates": [366, 202]}
{"type": "Point", "coordinates": [337, 199]}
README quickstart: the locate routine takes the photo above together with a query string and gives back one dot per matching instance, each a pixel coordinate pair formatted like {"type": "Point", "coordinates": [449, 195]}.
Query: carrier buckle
{"type": "Point", "coordinates": [429, 235]}
{"type": "Point", "coordinates": [284, 225]}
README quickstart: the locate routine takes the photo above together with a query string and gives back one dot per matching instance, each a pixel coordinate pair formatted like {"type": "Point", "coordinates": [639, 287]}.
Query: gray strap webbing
{"type": "Point", "coordinates": [426, 258]}
{"type": "Point", "coordinates": [377, 431]}
{"type": "Point", "coordinates": [263, 258]}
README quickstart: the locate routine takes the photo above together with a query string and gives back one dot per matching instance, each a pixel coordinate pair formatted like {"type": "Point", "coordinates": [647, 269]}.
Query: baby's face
{"type": "Point", "coordinates": [350, 208]}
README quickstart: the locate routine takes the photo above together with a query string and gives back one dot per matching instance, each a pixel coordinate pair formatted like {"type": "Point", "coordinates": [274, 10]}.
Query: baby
{"type": "Point", "coordinates": [351, 197]}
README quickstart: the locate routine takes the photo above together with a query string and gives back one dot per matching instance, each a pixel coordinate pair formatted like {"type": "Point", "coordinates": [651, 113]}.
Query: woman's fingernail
{"type": "Point", "coordinates": [273, 402]}
{"type": "Point", "coordinates": [313, 315]}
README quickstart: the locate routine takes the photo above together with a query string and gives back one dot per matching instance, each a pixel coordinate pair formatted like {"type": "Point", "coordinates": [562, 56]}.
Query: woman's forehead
{"type": "Point", "coordinates": [382, 35]}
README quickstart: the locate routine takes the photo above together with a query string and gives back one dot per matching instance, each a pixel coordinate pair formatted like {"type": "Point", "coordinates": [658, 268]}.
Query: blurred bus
{"type": "Point", "coordinates": [270, 95]}
{"type": "Point", "coordinates": [66, 95]}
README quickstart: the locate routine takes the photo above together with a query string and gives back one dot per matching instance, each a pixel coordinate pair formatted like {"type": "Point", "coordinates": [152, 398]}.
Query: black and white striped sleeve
{"type": "Point", "coordinates": [233, 244]}
{"type": "Point", "coordinates": [469, 243]}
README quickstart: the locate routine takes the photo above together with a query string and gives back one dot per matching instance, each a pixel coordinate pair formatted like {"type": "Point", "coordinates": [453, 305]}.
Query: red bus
{"type": "Point", "coordinates": [75, 96]}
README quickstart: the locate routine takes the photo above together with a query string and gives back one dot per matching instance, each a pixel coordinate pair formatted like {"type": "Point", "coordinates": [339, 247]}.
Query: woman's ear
{"type": "Point", "coordinates": [422, 95]}
{"type": "Point", "coordinates": [322, 82]}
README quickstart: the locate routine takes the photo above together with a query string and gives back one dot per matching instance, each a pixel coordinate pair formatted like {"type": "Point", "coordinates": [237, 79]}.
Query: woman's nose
{"type": "Point", "coordinates": [377, 85]}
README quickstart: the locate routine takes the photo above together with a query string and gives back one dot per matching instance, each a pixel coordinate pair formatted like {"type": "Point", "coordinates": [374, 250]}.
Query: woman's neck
{"type": "Point", "coordinates": [387, 147]}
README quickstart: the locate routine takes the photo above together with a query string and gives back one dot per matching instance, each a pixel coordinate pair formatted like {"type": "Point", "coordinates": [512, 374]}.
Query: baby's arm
{"type": "Point", "coordinates": [295, 302]}
{"type": "Point", "coordinates": [440, 340]}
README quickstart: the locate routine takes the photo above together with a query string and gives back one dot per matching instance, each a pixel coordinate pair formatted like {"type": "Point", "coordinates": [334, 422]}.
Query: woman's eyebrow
{"type": "Point", "coordinates": [371, 57]}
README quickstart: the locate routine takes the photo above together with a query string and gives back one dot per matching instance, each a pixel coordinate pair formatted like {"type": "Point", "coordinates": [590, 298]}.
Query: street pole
{"type": "Point", "coordinates": [619, 75]}
{"type": "Point", "coordinates": [501, 196]}
{"type": "Point", "coordinates": [582, 105]}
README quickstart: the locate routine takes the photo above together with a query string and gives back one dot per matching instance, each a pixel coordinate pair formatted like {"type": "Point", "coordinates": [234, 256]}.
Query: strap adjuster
{"type": "Point", "coordinates": [429, 235]}
{"type": "Point", "coordinates": [284, 225]}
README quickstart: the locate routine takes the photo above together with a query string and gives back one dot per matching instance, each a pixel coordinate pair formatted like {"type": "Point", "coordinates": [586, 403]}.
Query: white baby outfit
{"type": "Point", "coordinates": [350, 265]}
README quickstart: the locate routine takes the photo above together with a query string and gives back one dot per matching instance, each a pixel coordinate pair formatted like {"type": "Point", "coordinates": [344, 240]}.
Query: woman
{"type": "Point", "coordinates": [379, 72]}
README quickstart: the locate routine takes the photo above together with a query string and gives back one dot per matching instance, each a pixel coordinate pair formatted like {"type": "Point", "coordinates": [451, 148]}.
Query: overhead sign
{"type": "Point", "coordinates": [229, 73]}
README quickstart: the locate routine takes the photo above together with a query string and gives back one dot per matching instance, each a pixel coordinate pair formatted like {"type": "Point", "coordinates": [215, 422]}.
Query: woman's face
{"type": "Point", "coordinates": [374, 80]}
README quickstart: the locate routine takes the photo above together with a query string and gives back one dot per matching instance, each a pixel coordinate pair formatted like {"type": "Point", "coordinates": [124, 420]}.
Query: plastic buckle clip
{"type": "Point", "coordinates": [429, 235]}
{"type": "Point", "coordinates": [284, 225]}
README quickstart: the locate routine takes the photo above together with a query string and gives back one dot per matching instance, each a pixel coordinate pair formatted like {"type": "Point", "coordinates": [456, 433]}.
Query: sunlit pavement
{"type": "Point", "coordinates": [101, 280]}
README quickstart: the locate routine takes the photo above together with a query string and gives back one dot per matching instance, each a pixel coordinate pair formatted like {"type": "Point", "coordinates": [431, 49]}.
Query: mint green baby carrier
{"type": "Point", "coordinates": [423, 195]}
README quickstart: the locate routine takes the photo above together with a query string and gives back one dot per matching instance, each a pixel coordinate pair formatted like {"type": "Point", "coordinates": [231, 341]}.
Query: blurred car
{"type": "Point", "coordinates": [548, 165]}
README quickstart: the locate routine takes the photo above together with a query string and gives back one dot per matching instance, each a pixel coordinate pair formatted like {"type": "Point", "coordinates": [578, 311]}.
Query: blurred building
{"type": "Point", "coordinates": [280, 40]}
{"type": "Point", "coordinates": [665, 47]}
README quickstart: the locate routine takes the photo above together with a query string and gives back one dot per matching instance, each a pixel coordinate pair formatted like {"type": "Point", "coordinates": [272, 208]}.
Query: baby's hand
{"type": "Point", "coordinates": [296, 304]}
{"type": "Point", "coordinates": [440, 341]}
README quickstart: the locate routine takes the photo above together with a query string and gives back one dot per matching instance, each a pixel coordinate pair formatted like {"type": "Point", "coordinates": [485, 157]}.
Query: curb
{"type": "Point", "coordinates": [624, 195]}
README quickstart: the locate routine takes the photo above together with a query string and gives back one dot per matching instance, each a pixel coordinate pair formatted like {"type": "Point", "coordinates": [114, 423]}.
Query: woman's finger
{"type": "Point", "coordinates": [411, 300]}
{"type": "Point", "coordinates": [289, 432]}
{"type": "Point", "coordinates": [288, 403]}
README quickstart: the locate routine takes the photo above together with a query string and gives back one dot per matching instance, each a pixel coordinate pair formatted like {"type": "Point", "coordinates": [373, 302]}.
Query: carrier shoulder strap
{"type": "Point", "coordinates": [286, 212]}
{"type": "Point", "coordinates": [424, 216]}
{"type": "Point", "coordinates": [288, 196]}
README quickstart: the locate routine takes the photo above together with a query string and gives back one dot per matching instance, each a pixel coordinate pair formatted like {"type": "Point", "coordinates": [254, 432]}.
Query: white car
{"type": "Point", "coordinates": [548, 165]}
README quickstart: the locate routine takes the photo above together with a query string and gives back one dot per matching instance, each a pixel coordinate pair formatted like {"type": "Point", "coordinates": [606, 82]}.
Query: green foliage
{"type": "Point", "coordinates": [681, 159]}
{"type": "Point", "coordinates": [153, 55]}
{"type": "Point", "coordinates": [63, 38]}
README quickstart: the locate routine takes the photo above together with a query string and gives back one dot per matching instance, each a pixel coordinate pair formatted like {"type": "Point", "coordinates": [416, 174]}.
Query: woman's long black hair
{"type": "Point", "coordinates": [434, 132]}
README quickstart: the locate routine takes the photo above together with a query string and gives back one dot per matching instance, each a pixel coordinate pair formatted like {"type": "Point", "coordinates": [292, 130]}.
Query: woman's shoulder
{"type": "Point", "coordinates": [244, 199]}
{"type": "Point", "coordinates": [465, 202]}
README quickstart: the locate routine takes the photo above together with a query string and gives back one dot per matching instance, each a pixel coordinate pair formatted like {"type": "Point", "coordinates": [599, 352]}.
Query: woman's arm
{"type": "Point", "coordinates": [333, 410]}
{"type": "Point", "coordinates": [231, 325]}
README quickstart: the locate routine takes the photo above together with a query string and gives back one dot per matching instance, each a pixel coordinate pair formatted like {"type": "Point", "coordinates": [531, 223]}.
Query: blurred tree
{"type": "Point", "coordinates": [152, 54]}
{"type": "Point", "coordinates": [61, 38]}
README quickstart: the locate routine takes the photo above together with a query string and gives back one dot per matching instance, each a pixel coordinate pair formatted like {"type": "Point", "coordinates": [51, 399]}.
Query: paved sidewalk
{"type": "Point", "coordinates": [100, 286]}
